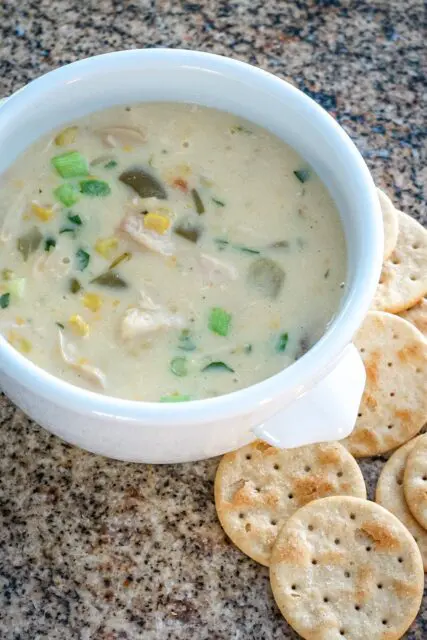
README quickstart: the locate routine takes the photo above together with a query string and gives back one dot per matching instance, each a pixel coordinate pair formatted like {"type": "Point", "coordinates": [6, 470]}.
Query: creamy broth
{"type": "Point", "coordinates": [179, 253]}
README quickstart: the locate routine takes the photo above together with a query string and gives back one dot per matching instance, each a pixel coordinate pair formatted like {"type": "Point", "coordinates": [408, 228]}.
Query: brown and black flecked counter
{"type": "Point", "coordinates": [103, 550]}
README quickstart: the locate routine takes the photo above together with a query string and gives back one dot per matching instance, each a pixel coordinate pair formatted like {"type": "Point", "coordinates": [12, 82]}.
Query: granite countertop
{"type": "Point", "coordinates": [93, 548]}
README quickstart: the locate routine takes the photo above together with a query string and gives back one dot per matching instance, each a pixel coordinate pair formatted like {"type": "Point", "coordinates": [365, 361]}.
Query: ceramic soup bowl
{"type": "Point", "coordinates": [317, 398]}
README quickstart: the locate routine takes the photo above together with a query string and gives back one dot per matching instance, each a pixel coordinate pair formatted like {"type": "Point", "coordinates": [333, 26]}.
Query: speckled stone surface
{"type": "Point", "coordinates": [96, 549]}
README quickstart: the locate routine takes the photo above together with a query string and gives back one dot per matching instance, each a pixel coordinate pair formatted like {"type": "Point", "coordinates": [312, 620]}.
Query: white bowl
{"type": "Point", "coordinates": [315, 399]}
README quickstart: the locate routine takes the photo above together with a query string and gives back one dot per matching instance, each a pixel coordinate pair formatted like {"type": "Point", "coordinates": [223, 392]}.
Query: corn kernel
{"type": "Point", "coordinates": [127, 148]}
{"type": "Point", "coordinates": [43, 213]}
{"type": "Point", "coordinates": [106, 246]}
{"type": "Point", "coordinates": [78, 325]}
{"type": "Point", "coordinates": [19, 342]}
{"type": "Point", "coordinates": [92, 301]}
{"type": "Point", "coordinates": [66, 136]}
{"type": "Point", "coordinates": [156, 222]}
{"type": "Point", "coordinates": [19, 320]}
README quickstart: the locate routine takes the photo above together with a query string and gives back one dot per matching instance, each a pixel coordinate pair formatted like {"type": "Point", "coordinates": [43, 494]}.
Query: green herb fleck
{"type": "Point", "coordinates": [218, 366]}
{"type": "Point", "coordinates": [175, 397]}
{"type": "Point", "coordinates": [247, 348]}
{"type": "Point", "coordinates": [222, 244]}
{"type": "Point", "coordinates": [60, 325]}
{"type": "Point", "coordinates": [83, 259]}
{"type": "Point", "coordinates": [219, 203]}
{"type": "Point", "coordinates": [282, 342]}
{"type": "Point", "coordinates": [326, 274]}
{"type": "Point", "coordinates": [50, 243]}
{"type": "Point", "coordinates": [111, 164]}
{"type": "Point", "coordinates": [71, 165]}
{"type": "Point", "coordinates": [69, 230]}
{"type": "Point", "coordinates": [238, 128]}
{"type": "Point", "coordinates": [198, 202]}
{"type": "Point", "coordinates": [97, 188]}
{"type": "Point", "coordinates": [67, 194]}
{"type": "Point", "coordinates": [4, 300]}
{"type": "Point", "coordinates": [178, 366]}
{"type": "Point", "coordinates": [124, 257]}
{"type": "Point", "coordinates": [110, 279]}
{"type": "Point", "coordinates": [243, 249]}
{"type": "Point", "coordinates": [75, 285]}
{"type": "Point", "coordinates": [219, 321]}
{"type": "Point", "coordinates": [75, 219]}
{"type": "Point", "coordinates": [302, 174]}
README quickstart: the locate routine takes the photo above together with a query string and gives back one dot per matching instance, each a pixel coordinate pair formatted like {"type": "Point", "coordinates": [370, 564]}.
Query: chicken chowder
{"type": "Point", "coordinates": [166, 252]}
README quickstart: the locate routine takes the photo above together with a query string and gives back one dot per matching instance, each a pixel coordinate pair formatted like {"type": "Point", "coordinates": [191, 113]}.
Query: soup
{"type": "Point", "coordinates": [166, 252]}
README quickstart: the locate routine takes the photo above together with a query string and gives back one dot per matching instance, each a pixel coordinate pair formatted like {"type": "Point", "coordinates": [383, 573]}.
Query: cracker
{"type": "Point", "coordinates": [417, 315]}
{"type": "Point", "coordinates": [415, 481]}
{"type": "Point", "coordinates": [403, 280]}
{"type": "Point", "coordinates": [394, 404]}
{"type": "Point", "coordinates": [390, 495]}
{"type": "Point", "coordinates": [390, 223]}
{"type": "Point", "coordinates": [258, 487]}
{"type": "Point", "coordinates": [344, 567]}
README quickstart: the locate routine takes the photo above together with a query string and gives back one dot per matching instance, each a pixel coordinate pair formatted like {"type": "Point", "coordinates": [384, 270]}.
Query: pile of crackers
{"type": "Point", "coordinates": [341, 566]}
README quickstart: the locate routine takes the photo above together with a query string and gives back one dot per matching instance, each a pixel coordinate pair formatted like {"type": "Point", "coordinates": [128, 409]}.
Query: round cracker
{"type": "Point", "coordinates": [390, 223]}
{"type": "Point", "coordinates": [344, 567]}
{"type": "Point", "coordinates": [415, 481]}
{"type": "Point", "coordinates": [258, 487]}
{"type": "Point", "coordinates": [417, 316]}
{"type": "Point", "coordinates": [394, 404]}
{"type": "Point", "coordinates": [403, 280]}
{"type": "Point", "coordinates": [390, 494]}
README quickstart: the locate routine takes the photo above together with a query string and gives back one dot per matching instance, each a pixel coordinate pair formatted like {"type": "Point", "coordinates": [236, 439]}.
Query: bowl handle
{"type": "Point", "coordinates": [326, 412]}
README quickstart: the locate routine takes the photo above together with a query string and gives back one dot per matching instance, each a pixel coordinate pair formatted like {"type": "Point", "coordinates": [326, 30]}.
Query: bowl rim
{"type": "Point", "coordinates": [302, 374]}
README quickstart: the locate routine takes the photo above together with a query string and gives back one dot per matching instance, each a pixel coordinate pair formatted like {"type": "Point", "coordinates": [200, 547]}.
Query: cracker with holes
{"type": "Point", "coordinates": [390, 223]}
{"type": "Point", "coordinates": [390, 495]}
{"type": "Point", "coordinates": [403, 280]}
{"type": "Point", "coordinates": [415, 481]}
{"type": "Point", "coordinates": [417, 315]}
{"type": "Point", "coordinates": [394, 404]}
{"type": "Point", "coordinates": [344, 567]}
{"type": "Point", "coordinates": [258, 487]}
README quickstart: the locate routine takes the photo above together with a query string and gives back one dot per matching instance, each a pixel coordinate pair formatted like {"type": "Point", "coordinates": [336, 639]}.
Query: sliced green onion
{"type": "Point", "coordinates": [29, 242]}
{"type": "Point", "coordinates": [83, 259]}
{"type": "Point", "coordinates": [302, 174]}
{"type": "Point", "coordinates": [50, 243]}
{"type": "Point", "coordinates": [178, 366]}
{"type": "Point", "coordinates": [219, 366]}
{"type": "Point", "coordinates": [71, 165]}
{"type": "Point", "coordinates": [95, 188]}
{"type": "Point", "coordinates": [198, 202]}
{"type": "Point", "coordinates": [4, 300]}
{"type": "Point", "coordinates": [176, 397]}
{"type": "Point", "coordinates": [282, 342]}
{"type": "Point", "coordinates": [75, 285]}
{"type": "Point", "coordinates": [219, 203]}
{"type": "Point", "coordinates": [67, 194]}
{"type": "Point", "coordinates": [219, 321]}
{"type": "Point", "coordinates": [75, 219]}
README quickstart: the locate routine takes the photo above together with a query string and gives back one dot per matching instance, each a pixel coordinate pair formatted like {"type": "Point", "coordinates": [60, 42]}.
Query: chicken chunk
{"type": "Point", "coordinates": [143, 324]}
{"type": "Point", "coordinates": [215, 271]}
{"type": "Point", "coordinates": [133, 225]}
{"type": "Point", "coordinates": [90, 373]}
